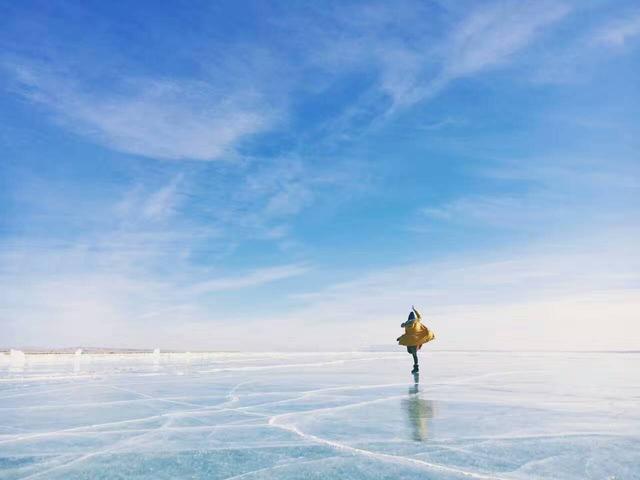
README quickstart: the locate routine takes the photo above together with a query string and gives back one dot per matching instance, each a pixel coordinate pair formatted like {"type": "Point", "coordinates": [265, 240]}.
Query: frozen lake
{"type": "Point", "coordinates": [321, 416]}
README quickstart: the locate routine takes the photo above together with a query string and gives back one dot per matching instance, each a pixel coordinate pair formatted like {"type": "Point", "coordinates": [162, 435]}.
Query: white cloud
{"type": "Point", "coordinates": [413, 60]}
{"type": "Point", "coordinates": [544, 193]}
{"type": "Point", "coordinates": [171, 119]}
{"type": "Point", "coordinates": [489, 210]}
{"type": "Point", "coordinates": [262, 200]}
{"type": "Point", "coordinates": [530, 211]}
{"type": "Point", "coordinates": [118, 281]}
{"type": "Point", "coordinates": [618, 33]}
{"type": "Point", "coordinates": [579, 295]}
{"type": "Point", "coordinates": [554, 295]}
{"type": "Point", "coordinates": [491, 35]}
{"type": "Point", "coordinates": [288, 201]}
{"type": "Point", "coordinates": [579, 57]}
{"type": "Point", "coordinates": [207, 117]}
{"type": "Point", "coordinates": [162, 203]}
{"type": "Point", "coordinates": [122, 296]}
{"type": "Point", "coordinates": [140, 264]}
{"type": "Point", "coordinates": [253, 279]}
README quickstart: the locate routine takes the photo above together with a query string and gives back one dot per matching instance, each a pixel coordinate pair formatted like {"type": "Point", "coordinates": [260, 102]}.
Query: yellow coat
{"type": "Point", "coordinates": [416, 334]}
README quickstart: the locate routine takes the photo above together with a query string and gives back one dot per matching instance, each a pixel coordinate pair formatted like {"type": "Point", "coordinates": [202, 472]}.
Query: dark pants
{"type": "Point", "coordinates": [413, 351]}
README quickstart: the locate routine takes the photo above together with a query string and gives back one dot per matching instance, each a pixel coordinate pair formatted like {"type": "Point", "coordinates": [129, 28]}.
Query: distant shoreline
{"type": "Point", "coordinates": [138, 351]}
{"type": "Point", "coordinates": [103, 351]}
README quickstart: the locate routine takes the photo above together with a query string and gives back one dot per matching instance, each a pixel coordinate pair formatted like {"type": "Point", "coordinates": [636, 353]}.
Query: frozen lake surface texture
{"type": "Point", "coordinates": [321, 416]}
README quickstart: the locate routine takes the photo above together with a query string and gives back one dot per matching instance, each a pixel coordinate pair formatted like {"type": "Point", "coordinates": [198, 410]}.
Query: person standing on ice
{"type": "Point", "coordinates": [415, 335]}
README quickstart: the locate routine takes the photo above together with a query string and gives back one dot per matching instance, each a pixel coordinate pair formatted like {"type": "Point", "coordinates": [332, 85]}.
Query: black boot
{"type": "Point", "coordinates": [416, 368]}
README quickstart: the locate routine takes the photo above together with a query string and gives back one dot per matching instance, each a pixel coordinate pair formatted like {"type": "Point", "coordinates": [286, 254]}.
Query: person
{"type": "Point", "coordinates": [415, 335]}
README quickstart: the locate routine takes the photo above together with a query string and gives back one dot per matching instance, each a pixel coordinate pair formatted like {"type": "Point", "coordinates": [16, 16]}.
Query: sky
{"type": "Point", "coordinates": [241, 175]}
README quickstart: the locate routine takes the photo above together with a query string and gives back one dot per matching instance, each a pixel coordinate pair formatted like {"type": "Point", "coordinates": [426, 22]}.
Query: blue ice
{"type": "Point", "coordinates": [321, 416]}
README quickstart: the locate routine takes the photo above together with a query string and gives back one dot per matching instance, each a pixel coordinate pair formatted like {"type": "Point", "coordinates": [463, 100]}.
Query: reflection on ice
{"type": "Point", "coordinates": [337, 415]}
{"type": "Point", "coordinates": [419, 412]}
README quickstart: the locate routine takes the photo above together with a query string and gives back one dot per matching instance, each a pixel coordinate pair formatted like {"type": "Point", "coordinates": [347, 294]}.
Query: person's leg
{"type": "Point", "coordinates": [414, 353]}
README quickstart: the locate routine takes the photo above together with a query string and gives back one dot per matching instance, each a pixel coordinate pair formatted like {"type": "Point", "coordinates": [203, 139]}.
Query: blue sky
{"type": "Point", "coordinates": [240, 175]}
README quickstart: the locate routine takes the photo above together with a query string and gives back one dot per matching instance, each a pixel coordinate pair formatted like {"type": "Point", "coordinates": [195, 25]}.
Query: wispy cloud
{"type": "Point", "coordinates": [543, 193]}
{"type": "Point", "coordinates": [620, 32]}
{"type": "Point", "coordinates": [505, 300]}
{"type": "Point", "coordinates": [495, 301]}
{"type": "Point", "coordinates": [263, 199]}
{"type": "Point", "coordinates": [598, 31]}
{"type": "Point", "coordinates": [158, 118]}
{"type": "Point", "coordinates": [142, 259]}
{"type": "Point", "coordinates": [256, 278]}
{"type": "Point", "coordinates": [155, 249]}
{"type": "Point", "coordinates": [490, 36]}
{"type": "Point", "coordinates": [497, 211]}
{"type": "Point", "coordinates": [156, 205]}
{"type": "Point", "coordinates": [207, 116]}
{"type": "Point", "coordinates": [419, 63]}
{"type": "Point", "coordinates": [73, 294]}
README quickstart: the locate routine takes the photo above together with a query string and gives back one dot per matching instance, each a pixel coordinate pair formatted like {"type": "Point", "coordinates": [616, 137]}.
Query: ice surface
{"type": "Point", "coordinates": [321, 416]}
